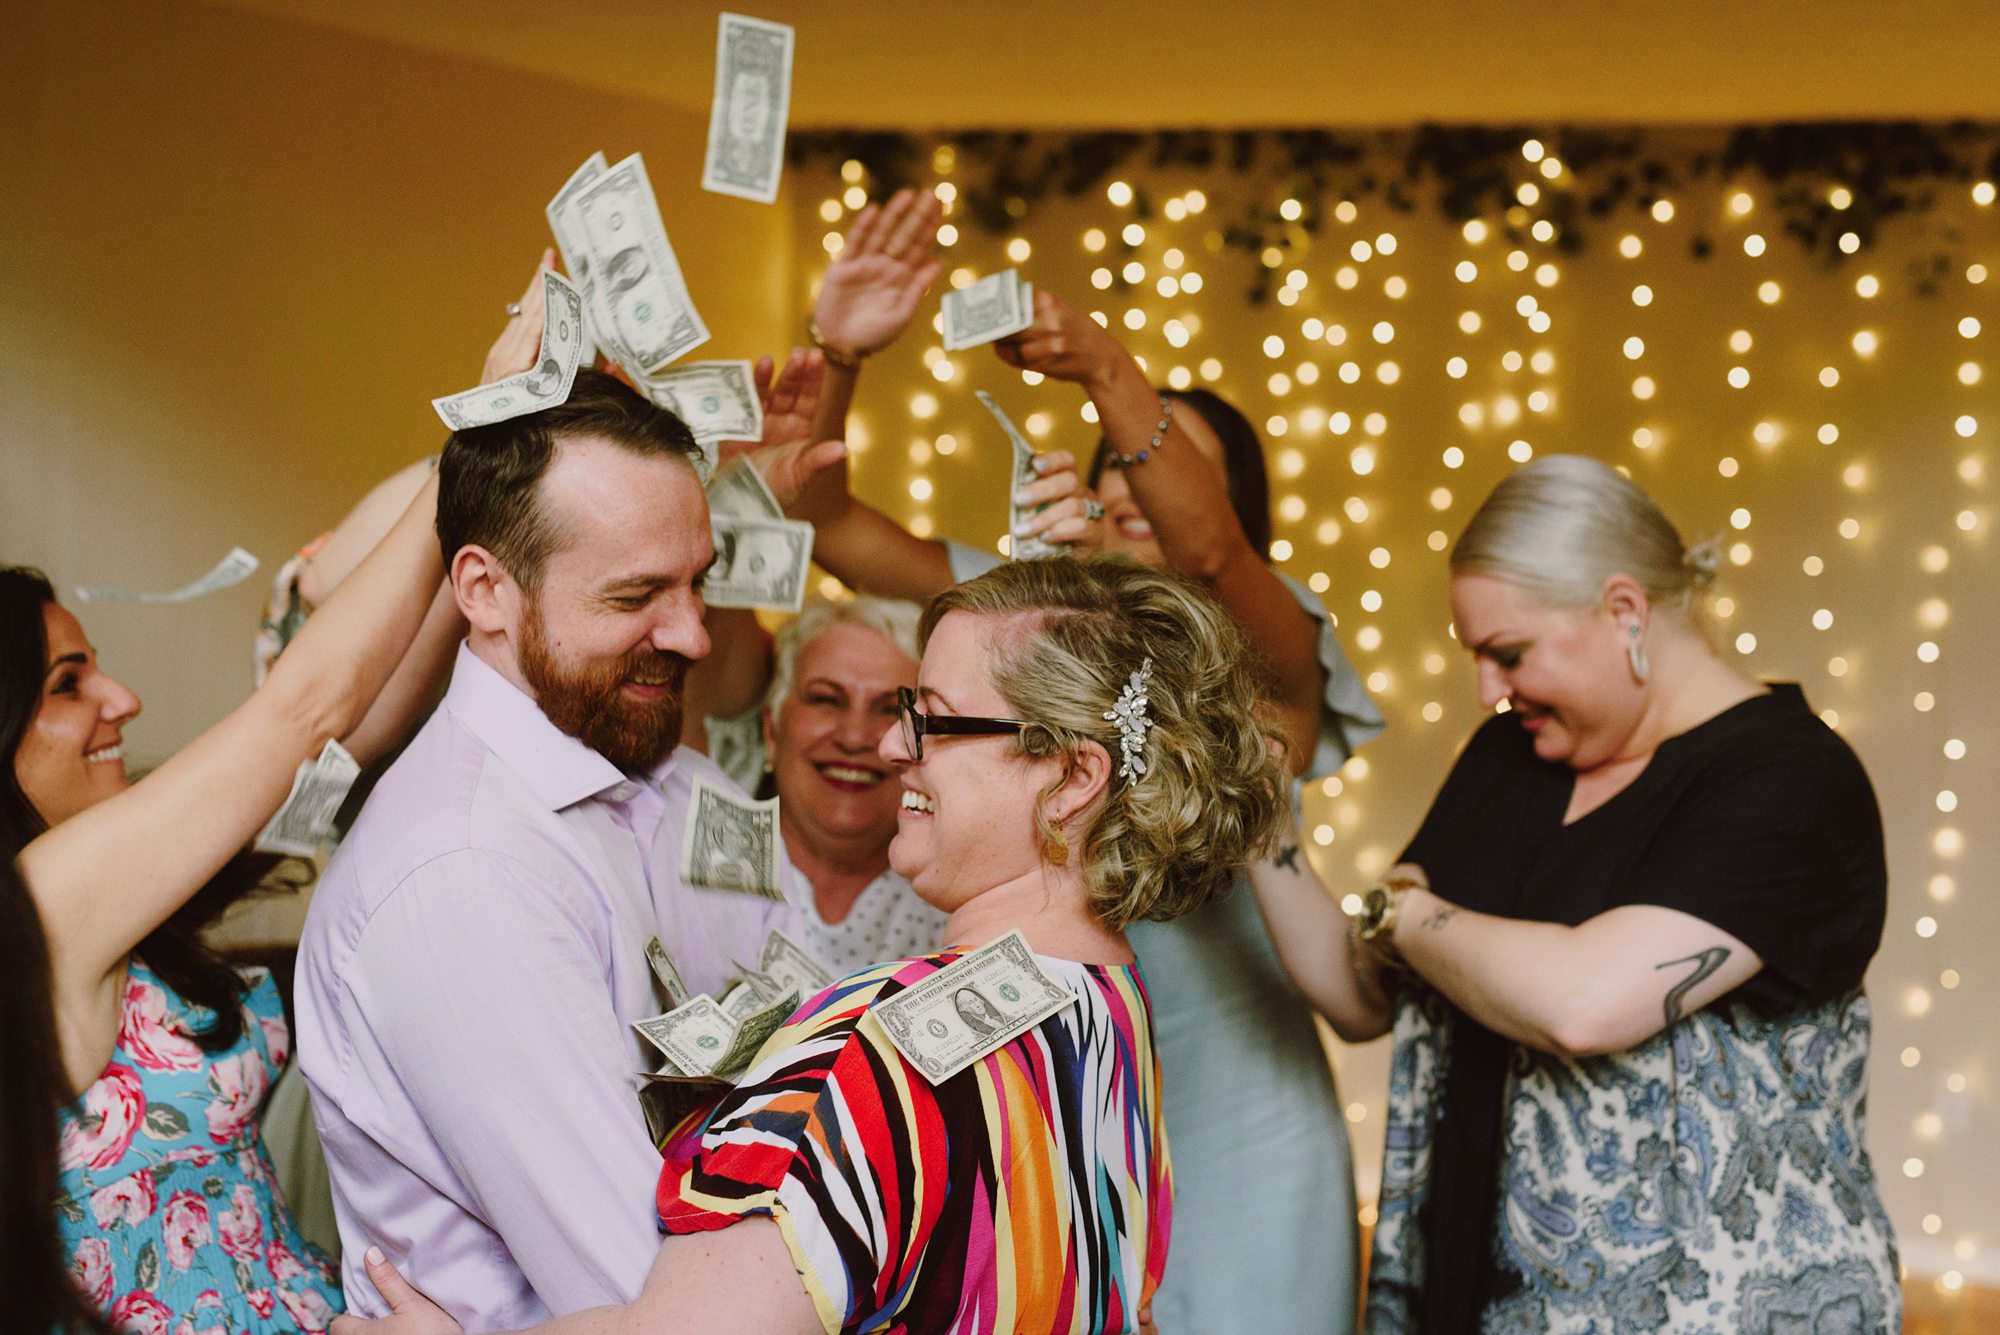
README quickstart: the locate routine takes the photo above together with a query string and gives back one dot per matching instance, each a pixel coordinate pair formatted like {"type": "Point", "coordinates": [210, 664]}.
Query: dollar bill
{"type": "Point", "coordinates": [753, 94]}
{"type": "Point", "coordinates": [235, 567]}
{"type": "Point", "coordinates": [667, 1097]}
{"type": "Point", "coordinates": [693, 1036]}
{"type": "Point", "coordinates": [676, 988]}
{"type": "Point", "coordinates": [575, 254]}
{"type": "Point", "coordinates": [731, 842]}
{"type": "Point", "coordinates": [1020, 546]}
{"type": "Point", "coordinates": [743, 999]}
{"type": "Point", "coordinates": [543, 385]}
{"type": "Point", "coordinates": [791, 966]}
{"type": "Point", "coordinates": [975, 1005]}
{"type": "Point", "coordinates": [739, 491]}
{"type": "Point", "coordinates": [759, 563]}
{"type": "Point", "coordinates": [752, 1030]}
{"type": "Point", "coordinates": [305, 821]}
{"type": "Point", "coordinates": [993, 307]}
{"type": "Point", "coordinates": [646, 317]}
{"type": "Point", "coordinates": [717, 400]}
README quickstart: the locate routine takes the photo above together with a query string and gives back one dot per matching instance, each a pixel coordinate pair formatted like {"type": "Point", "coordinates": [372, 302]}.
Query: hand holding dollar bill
{"type": "Point", "coordinates": [991, 308]}
{"type": "Point", "coordinates": [544, 384]}
{"type": "Point", "coordinates": [975, 1005]}
{"type": "Point", "coordinates": [1021, 546]}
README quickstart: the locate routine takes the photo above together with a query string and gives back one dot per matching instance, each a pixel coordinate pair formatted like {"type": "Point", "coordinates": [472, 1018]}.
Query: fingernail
{"type": "Point", "coordinates": [375, 1256]}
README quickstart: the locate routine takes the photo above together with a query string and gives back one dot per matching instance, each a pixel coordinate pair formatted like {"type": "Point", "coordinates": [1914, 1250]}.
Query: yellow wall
{"type": "Point", "coordinates": [240, 256]}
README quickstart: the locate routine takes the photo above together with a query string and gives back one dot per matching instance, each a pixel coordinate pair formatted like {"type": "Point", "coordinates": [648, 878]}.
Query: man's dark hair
{"type": "Point", "coordinates": [489, 477]}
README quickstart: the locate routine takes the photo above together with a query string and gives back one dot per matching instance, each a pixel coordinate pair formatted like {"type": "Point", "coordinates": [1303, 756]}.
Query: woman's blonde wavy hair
{"type": "Point", "coordinates": [1167, 841]}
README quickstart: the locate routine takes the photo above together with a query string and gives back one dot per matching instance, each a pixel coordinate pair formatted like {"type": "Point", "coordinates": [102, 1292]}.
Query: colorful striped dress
{"type": "Point", "coordinates": [1028, 1193]}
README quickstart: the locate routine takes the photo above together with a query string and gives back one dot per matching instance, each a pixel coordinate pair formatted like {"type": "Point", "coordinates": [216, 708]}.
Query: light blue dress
{"type": "Point", "coordinates": [1264, 1232]}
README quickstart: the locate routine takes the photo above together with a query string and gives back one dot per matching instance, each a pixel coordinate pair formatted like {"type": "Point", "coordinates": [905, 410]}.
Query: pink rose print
{"type": "Point", "coordinates": [140, 1313]}
{"type": "Point", "coordinates": [147, 1036]}
{"type": "Point", "coordinates": [186, 1227]}
{"type": "Point", "coordinates": [277, 1037]}
{"type": "Point", "coordinates": [239, 1083]}
{"type": "Point", "coordinates": [285, 1266]}
{"type": "Point", "coordinates": [130, 1200]}
{"type": "Point", "coordinates": [91, 1268]}
{"type": "Point", "coordinates": [98, 1137]}
{"type": "Point", "coordinates": [262, 1302]}
{"type": "Point", "coordinates": [242, 1225]}
{"type": "Point", "coordinates": [309, 1308]}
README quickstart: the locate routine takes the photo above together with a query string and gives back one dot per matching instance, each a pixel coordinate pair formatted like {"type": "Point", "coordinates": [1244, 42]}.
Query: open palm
{"type": "Point", "coordinates": [872, 288]}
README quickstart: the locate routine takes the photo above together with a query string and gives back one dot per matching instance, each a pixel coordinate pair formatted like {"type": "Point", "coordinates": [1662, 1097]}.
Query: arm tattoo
{"type": "Point", "coordinates": [1440, 917]}
{"type": "Point", "coordinates": [1705, 964]}
{"type": "Point", "coordinates": [1288, 857]}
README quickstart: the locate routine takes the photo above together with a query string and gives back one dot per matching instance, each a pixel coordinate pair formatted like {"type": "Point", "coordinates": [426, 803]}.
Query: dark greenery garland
{"type": "Point", "coordinates": [1892, 168]}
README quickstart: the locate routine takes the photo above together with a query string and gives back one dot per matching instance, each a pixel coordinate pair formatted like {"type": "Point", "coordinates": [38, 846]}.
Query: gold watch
{"type": "Point", "coordinates": [1381, 908]}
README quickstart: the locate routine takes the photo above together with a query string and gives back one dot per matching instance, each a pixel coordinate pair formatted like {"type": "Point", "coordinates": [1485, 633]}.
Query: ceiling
{"type": "Point", "coordinates": [1047, 63]}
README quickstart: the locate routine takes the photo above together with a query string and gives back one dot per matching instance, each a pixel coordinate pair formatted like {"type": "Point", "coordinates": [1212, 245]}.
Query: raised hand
{"type": "Point", "coordinates": [791, 395]}
{"type": "Point", "coordinates": [872, 288]}
{"type": "Point", "coordinates": [410, 1313]}
{"type": "Point", "coordinates": [787, 468]}
{"type": "Point", "coordinates": [1064, 344]}
{"type": "Point", "coordinates": [1068, 511]}
{"type": "Point", "coordinates": [521, 338]}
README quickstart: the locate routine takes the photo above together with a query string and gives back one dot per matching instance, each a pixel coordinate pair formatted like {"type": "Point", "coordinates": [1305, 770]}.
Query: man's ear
{"type": "Point", "coordinates": [486, 594]}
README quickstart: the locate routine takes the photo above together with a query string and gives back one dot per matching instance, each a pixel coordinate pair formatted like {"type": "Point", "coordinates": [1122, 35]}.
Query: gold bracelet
{"type": "Point", "coordinates": [845, 360]}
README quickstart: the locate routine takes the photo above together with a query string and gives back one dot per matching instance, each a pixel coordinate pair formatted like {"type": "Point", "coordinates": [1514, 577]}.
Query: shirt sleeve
{"type": "Point", "coordinates": [484, 985]}
{"type": "Point", "coordinates": [1347, 716]}
{"type": "Point", "coordinates": [1779, 845]}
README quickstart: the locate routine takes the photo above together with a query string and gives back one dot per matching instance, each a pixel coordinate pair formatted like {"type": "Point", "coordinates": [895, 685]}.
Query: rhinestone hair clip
{"type": "Point", "coordinates": [1128, 711]}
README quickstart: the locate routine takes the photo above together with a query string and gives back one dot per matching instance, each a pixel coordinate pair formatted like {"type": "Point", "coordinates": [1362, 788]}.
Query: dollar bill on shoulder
{"type": "Point", "coordinates": [1020, 546]}
{"type": "Point", "coordinates": [792, 966]}
{"type": "Point", "coordinates": [235, 567]}
{"type": "Point", "coordinates": [305, 821]}
{"type": "Point", "coordinates": [753, 95]}
{"type": "Point", "coordinates": [738, 491]}
{"type": "Point", "coordinates": [731, 842]}
{"type": "Point", "coordinates": [717, 400]}
{"type": "Point", "coordinates": [542, 385]}
{"type": "Point", "coordinates": [991, 308]}
{"type": "Point", "coordinates": [759, 563]}
{"type": "Point", "coordinates": [973, 1006]}
{"type": "Point", "coordinates": [647, 317]}
{"type": "Point", "coordinates": [676, 988]}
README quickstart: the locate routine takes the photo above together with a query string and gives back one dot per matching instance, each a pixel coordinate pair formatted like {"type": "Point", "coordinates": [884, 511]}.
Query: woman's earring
{"type": "Point", "coordinates": [1636, 654]}
{"type": "Point", "coordinates": [1058, 848]}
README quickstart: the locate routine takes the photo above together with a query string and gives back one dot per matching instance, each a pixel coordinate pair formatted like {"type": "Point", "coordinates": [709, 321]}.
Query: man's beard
{"type": "Point", "coordinates": [586, 703]}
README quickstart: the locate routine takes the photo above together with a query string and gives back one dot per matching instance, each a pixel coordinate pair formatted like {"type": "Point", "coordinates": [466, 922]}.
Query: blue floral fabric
{"type": "Point", "coordinates": [1710, 1181]}
{"type": "Point", "coordinates": [171, 1216]}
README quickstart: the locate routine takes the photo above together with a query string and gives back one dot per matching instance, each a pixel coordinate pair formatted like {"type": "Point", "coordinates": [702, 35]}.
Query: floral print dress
{"type": "Point", "coordinates": [170, 1214]}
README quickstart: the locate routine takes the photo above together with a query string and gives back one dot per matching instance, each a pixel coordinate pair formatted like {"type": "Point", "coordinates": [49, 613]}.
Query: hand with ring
{"type": "Point", "coordinates": [521, 339]}
{"type": "Point", "coordinates": [1065, 510]}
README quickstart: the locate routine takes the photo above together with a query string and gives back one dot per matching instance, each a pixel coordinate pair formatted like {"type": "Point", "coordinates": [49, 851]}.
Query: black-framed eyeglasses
{"type": "Point", "coordinates": [917, 724]}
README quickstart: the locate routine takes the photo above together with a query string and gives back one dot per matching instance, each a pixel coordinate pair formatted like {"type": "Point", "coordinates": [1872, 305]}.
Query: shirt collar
{"type": "Point", "coordinates": [557, 768]}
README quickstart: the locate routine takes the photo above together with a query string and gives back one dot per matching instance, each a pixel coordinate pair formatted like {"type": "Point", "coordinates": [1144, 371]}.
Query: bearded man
{"type": "Point", "coordinates": [475, 955]}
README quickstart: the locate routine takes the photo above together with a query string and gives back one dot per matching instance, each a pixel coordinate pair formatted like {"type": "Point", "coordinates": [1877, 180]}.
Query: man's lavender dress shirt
{"type": "Point", "coordinates": [470, 969]}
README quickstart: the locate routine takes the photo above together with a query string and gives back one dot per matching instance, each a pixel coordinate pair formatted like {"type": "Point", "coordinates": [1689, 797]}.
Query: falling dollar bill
{"type": "Point", "coordinates": [1020, 545]}
{"type": "Point", "coordinates": [233, 568]}
{"type": "Point", "coordinates": [739, 491]}
{"type": "Point", "coordinates": [645, 314]}
{"type": "Point", "coordinates": [670, 978]}
{"type": "Point", "coordinates": [543, 385]}
{"type": "Point", "coordinates": [305, 821]}
{"type": "Point", "coordinates": [731, 842]}
{"type": "Point", "coordinates": [753, 94]}
{"type": "Point", "coordinates": [759, 563]}
{"type": "Point", "coordinates": [717, 400]}
{"type": "Point", "coordinates": [575, 254]}
{"type": "Point", "coordinates": [791, 966]}
{"type": "Point", "coordinates": [993, 307]}
{"type": "Point", "coordinates": [975, 1005]}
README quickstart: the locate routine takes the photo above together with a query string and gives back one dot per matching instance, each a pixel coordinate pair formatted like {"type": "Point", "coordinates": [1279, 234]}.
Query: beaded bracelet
{"type": "Point", "coordinates": [1121, 461]}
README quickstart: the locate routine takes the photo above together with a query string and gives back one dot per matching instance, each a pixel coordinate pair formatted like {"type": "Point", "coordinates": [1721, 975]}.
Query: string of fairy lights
{"type": "Point", "coordinates": [1826, 424]}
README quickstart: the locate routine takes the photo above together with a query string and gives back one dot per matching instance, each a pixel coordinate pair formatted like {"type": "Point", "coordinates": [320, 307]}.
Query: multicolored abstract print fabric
{"type": "Point", "coordinates": [1712, 1179]}
{"type": "Point", "coordinates": [170, 1212]}
{"type": "Point", "coordinates": [1028, 1193]}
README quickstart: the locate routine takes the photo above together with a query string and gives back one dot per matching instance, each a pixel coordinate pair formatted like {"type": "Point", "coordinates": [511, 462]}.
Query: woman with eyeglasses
{"type": "Point", "coordinates": [1084, 749]}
